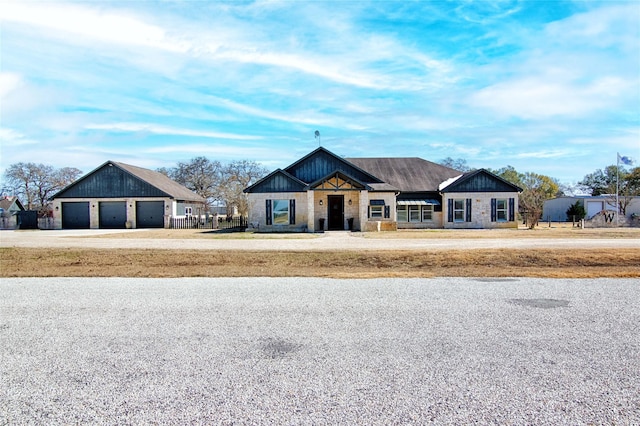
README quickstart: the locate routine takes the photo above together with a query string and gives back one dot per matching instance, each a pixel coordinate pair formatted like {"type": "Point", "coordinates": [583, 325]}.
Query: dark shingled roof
{"type": "Point", "coordinates": [162, 182]}
{"type": "Point", "coordinates": [411, 174]}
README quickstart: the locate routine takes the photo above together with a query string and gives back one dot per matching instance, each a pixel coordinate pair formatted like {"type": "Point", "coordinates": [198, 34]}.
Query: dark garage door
{"type": "Point", "coordinates": [150, 214]}
{"type": "Point", "coordinates": [113, 214]}
{"type": "Point", "coordinates": [75, 215]}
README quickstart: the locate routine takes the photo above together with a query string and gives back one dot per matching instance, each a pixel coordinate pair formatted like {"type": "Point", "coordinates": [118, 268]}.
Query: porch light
{"type": "Point", "coordinates": [350, 202]}
{"type": "Point", "coordinates": [320, 202]}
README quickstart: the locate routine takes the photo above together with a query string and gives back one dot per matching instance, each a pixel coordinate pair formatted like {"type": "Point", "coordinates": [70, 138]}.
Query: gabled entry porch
{"type": "Point", "coordinates": [336, 203]}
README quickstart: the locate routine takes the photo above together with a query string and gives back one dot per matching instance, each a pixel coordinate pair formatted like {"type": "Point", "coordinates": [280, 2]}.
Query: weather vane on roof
{"type": "Point", "coordinates": [317, 133]}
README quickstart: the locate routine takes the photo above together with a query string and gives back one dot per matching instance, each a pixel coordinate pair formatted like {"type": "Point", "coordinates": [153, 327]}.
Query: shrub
{"type": "Point", "coordinates": [576, 212]}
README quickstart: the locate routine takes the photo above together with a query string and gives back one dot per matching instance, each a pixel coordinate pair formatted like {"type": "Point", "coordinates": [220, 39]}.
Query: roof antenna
{"type": "Point", "coordinates": [317, 133]}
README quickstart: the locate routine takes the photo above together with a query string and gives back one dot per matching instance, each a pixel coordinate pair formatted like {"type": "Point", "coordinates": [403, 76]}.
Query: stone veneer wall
{"type": "Point", "coordinates": [258, 212]}
{"type": "Point", "coordinates": [480, 210]}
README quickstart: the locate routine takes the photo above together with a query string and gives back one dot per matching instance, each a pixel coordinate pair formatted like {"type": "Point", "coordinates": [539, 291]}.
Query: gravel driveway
{"type": "Point", "coordinates": [318, 351]}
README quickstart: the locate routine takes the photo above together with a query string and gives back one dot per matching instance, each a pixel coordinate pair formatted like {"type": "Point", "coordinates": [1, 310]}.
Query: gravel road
{"type": "Point", "coordinates": [328, 241]}
{"type": "Point", "coordinates": [319, 351]}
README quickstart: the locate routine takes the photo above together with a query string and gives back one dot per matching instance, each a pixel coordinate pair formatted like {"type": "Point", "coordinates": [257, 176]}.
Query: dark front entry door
{"type": "Point", "coordinates": [336, 213]}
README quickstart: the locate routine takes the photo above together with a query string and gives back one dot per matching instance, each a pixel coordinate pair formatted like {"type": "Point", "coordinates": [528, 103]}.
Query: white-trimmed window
{"type": "Point", "coordinates": [414, 213]}
{"type": "Point", "coordinates": [458, 209]}
{"type": "Point", "coordinates": [376, 211]}
{"type": "Point", "coordinates": [501, 210]}
{"type": "Point", "coordinates": [188, 211]}
{"type": "Point", "coordinates": [280, 212]}
{"type": "Point", "coordinates": [401, 212]}
{"type": "Point", "coordinates": [427, 213]}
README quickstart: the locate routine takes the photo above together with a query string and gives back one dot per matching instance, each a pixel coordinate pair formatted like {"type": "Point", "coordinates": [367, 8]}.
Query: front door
{"type": "Point", "coordinates": [336, 213]}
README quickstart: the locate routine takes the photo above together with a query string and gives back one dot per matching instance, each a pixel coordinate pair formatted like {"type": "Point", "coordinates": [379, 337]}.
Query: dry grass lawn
{"type": "Point", "coordinates": [36, 262]}
{"type": "Point", "coordinates": [585, 263]}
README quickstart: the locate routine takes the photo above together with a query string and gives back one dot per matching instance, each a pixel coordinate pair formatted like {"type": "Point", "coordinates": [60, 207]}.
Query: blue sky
{"type": "Point", "coordinates": [545, 86]}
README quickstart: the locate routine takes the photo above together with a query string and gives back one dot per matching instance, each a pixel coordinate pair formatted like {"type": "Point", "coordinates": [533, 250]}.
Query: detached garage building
{"type": "Point", "coordinates": [119, 196]}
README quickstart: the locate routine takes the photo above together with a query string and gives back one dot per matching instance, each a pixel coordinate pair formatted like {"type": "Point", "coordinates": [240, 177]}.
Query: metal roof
{"type": "Point", "coordinates": [418, 202]}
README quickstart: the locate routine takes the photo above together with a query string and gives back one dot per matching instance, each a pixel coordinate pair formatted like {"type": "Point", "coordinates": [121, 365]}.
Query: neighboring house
{"type": "Point", "coordinates": [117, 195]}
{"type": "Point", "coordinates": [322, 191]}
{"type": "Point", "coordinates": [9, 208]}
{"type": "Point", "coordinates": [555, 210]}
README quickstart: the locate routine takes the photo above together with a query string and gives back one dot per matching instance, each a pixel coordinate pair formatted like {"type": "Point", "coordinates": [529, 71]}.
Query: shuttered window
{"type": "Point", "coordinates": [503, 209]}
{"type": "Point", "coordinates": [459, 210]}
{"type": "Point", "coordinates": [280, 212]}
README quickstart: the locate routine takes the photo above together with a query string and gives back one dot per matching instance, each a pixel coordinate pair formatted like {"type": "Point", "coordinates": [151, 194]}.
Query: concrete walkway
{"type": "Point", "coordinates": [322, 242]}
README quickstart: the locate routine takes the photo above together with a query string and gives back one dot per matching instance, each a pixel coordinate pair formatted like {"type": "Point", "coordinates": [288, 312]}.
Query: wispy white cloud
{"type": "Point", "coordinates": [92, 23]}
{"type": "Point", "coordinates": [539, 97]}
{"type": "Point", "coordinates": [12, 138]}
{"type": "Point", "coordinates": [9, 81]}
{"type": "Point", "coordinates": [496, 82]}
{"type": "Point", "coordinates": [553, 153]}
{"type": "Point", "coordinates": [167, 130]}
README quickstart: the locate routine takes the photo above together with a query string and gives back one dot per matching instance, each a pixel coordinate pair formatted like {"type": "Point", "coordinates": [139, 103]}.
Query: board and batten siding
{"type": "Point", "coordinates": [111, 182]}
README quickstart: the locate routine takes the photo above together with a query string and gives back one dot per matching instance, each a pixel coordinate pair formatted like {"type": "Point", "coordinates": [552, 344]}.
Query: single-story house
{"type": "Point", "coordinates": [9, 208]}
{"type": "Point", "coordinates": [118, 195]}
{"type": "Point", "coordinates": [555, 209]}
{"type": "Point", "coordinates": [323, 191]}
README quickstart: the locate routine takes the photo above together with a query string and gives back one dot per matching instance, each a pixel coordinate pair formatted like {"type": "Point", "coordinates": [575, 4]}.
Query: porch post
{"type": "Point", "coordinates": [364, 209]}
{"type": "Point", "coordinates": [311, 212]}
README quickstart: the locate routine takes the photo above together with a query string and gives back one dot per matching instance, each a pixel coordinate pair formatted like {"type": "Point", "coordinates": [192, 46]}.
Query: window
{"type": "Point", "coordinates": [402, 213]}
{"type": "Point", "coordinates": [458, 210]}
{"type": "Point", "coordinates": [188, 211]}
{"type": "Point", "coordinates": [376, 208]}
{"type": "Point", "coordinates": [427, 213]}
{"type": "Point", "coordinates": [501, 210]}
{"type": "Point", "coordinates": [376, 211]}
{"type": "Point", "coordinates": [414, 213]}
{"type": "Point", "coordinates": [280, 212]}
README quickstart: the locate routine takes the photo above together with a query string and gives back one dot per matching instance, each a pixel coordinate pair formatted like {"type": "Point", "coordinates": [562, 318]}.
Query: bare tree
{"type": "Point", "coordinates": [238, 175]}
{"type": "Point", "coordinates": [218, 182]}
{"type": "Point", "coordinates": [36, 183]}
{"type": "Point", "coordinates": [457, 164]}
{"type": "Point", "coordinates": [200, 175]}
{"type": "Point", "coordinates": [536, 189]}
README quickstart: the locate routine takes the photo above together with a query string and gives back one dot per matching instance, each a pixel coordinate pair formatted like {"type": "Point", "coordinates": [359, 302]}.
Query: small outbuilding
{"type": "Point", "coordinates": [119, 196]}
{"type": "Point", "coordinates": [10, 208]}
